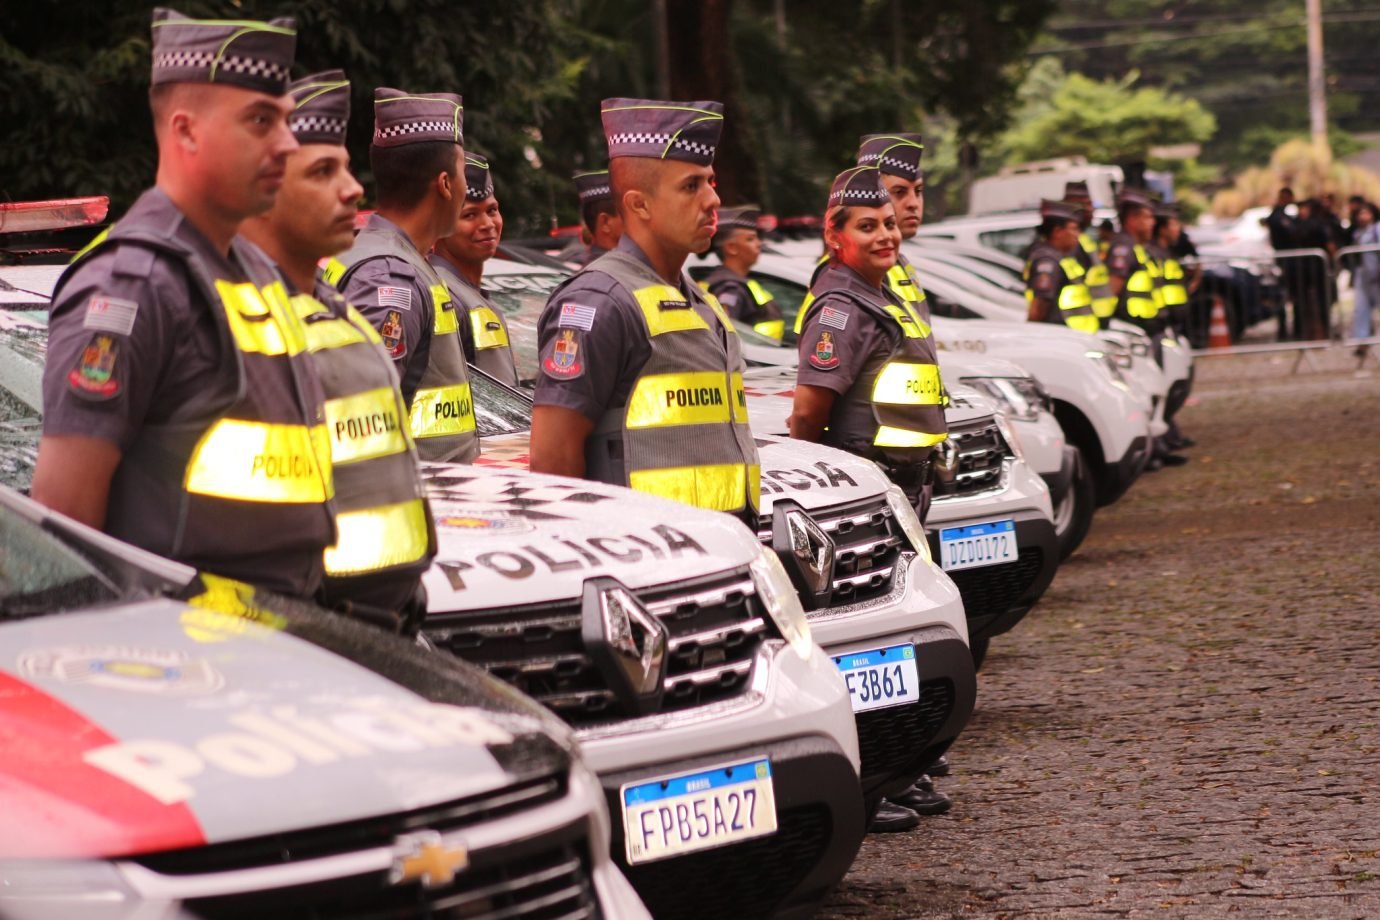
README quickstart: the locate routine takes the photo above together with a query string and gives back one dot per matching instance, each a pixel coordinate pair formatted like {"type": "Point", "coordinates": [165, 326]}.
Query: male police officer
{"type": "Point", "coordinates": [386, 539]}
{"type": "Point", "coordinates": [739, 247]}
{"type": "Point", "coordinates": [1089, 254]}
{"type": "Point", "coordinates": [418, 165]}
{"type": "Point", "coordinates": [1133, 275]}
{"type": "Point", "coordinates": [1056, 287]}
{"type": "Point", "coordinates": [459, 259]}
{"type": "Point", "coordinates": [181, 412]}
{"type": "Point", "coordinates": [897, 157]}
{"type": "Point", "coordinates": [598, 214]}
{"type": "Point", "coordinates": [640, 377]}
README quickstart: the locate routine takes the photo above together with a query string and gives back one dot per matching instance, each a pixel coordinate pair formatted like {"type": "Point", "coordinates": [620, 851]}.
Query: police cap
{"type": "Point", "coordinates": [894, 154]}
{"type": "Point", "coordinates": [402, 118]}
{"type": "Point", "coordinates": [245, 53]}
{"type": "Point", "coordinates": [661, 130]}
{"type": "Point", "coordinates": [321, 108]}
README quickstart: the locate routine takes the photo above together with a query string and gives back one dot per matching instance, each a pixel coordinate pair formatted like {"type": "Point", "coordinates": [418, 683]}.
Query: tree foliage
{"type": "Point", "coordinates": [532, 72]}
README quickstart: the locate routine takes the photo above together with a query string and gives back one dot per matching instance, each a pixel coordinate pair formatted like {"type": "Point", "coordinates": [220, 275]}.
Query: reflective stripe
{"type": "Point", "coordinates": [909, 321]}
{"type": "Point", "coordinates": [698, 398]}
{"type": "Point", "coordinates": [1087, 322]}
{"type": "Point", "coordinates": [681, 318]}
{"type": "Point", "coordinates": [333, 271]}
{"type": "Point", "coordinates": [901, 383]}
{"type": "Point", "coordinates": [740, 410]}
{"type": "Point", "coordinates": [441, 411]}
{"type": "Point", "coordinates": [904, 284]}
{"type": "Point", "coordinates": [759, 293]}
{"type": "Point", "coordinates": [887, 436]}
{"type": "Point", "coordinates": [723, 487]}
{"type": "Point", "coordinates": [771, 328]}
{"type": "Point", "coordinates": [801, 313]}
{"type": "Point", "coordinates": [332, 333]}
{"type": "Point", "coordinates": [262, 462]}
{"type": "Point", "coordinates": [364, 425]}
{"type": "Point", "coordinates": [379, 538]}
{"type": "Point", "coordinates": [1175, 293]}
{"type": "Point", "coordinates": [446, 321]}
{"type": "Point", "coordinates": [719, 311]}
{"type": "Point", "coordinates": [1099, 286]}
{"type": "Point", "coordinates": [486, 336]}
{"type": "Point", "coordinates": [262, 321]}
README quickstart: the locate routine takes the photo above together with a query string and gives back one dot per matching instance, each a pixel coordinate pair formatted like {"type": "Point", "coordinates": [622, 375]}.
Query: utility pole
{"type": "Point", "coordinates": [1317, 78]}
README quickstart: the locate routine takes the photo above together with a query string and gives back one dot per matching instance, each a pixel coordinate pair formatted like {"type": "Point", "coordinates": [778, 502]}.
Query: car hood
{"type": "Point", "coordinates": [509, 537]}
{"type": "Point", "coordinates": [159, 725]}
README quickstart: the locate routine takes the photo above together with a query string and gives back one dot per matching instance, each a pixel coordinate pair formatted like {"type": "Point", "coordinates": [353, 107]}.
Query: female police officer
{"type": "Point", "coordinates": [868, 379]}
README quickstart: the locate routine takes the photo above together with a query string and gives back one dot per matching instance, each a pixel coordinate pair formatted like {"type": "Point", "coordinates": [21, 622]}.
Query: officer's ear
{"type": "Point", "coordinates": [635, 202]}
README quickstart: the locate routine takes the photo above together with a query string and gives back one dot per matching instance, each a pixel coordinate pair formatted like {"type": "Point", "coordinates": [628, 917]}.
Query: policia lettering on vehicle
{"type": "Point", "coordinates": [418, 166]}
{"type": "Point", "coordinates": [181, 410]}
{"type": "Point", "coordinates": [1089, 254]}
{"type": "Point", "coordinates": [603, 225]}
{"type": "Point", "coordinates": [641, 374]}
{"type": "Point", "coordinates": [868, 378]}
{"type": "Point", "coordinates": [459, 259]}
{"type": "Point", "coordinates": [386, 539]}
{"type": "Point", "coordinates": [739, 247]}
{"type": "Point", "coordinates": [1055, 283]}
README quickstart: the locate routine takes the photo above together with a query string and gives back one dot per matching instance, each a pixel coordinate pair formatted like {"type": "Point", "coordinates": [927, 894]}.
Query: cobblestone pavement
{"type": "Point", "coordinates": [1186, 726]}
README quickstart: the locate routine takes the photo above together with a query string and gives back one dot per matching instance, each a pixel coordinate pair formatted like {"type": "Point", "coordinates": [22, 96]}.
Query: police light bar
{"type": "Point", "coordinates": [57, 214]}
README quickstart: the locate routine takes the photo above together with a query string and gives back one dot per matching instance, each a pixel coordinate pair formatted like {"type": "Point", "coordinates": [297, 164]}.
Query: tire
{"type": "Point", "coordinates": [979, 649]}
{"type": "Point", "coordinates": [1073, 514]}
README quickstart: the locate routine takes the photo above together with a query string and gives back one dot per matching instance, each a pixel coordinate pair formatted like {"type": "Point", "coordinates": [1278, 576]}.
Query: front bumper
{"type": "Point", "coordinates": [796, 712]}
{"type": "Point", "coordinates": [1115, 478]}
{"type": "Point", "coordinates": [925, 610]}
{"type": "Point", "coordinates": [820, 826]}
{"type": "Point", "coordinates": [1061, 480]}
{"type": "Point", "coordinates": [997, 597]}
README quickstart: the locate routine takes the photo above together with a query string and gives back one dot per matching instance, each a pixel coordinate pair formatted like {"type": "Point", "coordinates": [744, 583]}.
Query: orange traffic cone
{"type": "Point", "coordinates": [1219, 333]}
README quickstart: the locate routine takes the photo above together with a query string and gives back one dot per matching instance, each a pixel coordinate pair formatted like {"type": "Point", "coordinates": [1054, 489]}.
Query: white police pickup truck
{"type": "Point", "coordinates": [669, 638]}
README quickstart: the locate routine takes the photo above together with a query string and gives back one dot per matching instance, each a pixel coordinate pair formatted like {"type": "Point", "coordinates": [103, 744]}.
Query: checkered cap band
{"type": "Point", "coordinates": [860, 185]}
{"type": "Point", "coordinates": [594, 193]}
{"type": "Point", "coordinates": [253, 55]}
{"type": "Point", "coordinates": [322, 108]}
{"type": "Point", "coordinates": [414, 118]}
{"type": "Point", "coordinates": [479, 181]}
{"type": "Point", "coordinates": [593, 185]}
{"type": "Point", "coordinates": [653, 129]}
{"type": "Point", "coordinates": [308, 128]}
{"type": "Point", "coordinates": [894, 154]}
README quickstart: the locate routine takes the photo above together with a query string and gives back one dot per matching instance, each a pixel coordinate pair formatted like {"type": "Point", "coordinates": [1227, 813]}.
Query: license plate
{"type": "Point", "coordinates": [698, 811]}
{"type": "Point", "coordinates": [880, 678]}
{"type": "Point", "coordinates": [977, 545]}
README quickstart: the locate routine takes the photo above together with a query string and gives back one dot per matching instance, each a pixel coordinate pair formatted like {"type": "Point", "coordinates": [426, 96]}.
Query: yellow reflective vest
{"type": "Point", "coordinates": [442, 410]}
{"type": "Point", "coordinates": [242, 488]}
{"type": "Point", "coordinates": [762, 313]}
{"type": "Point", "coordinates": [484, 332]}
{"type": "Point", "coordinates": [684, 432]}
{"type": "Point", "coordinates": [1096, 278]}
{"type": "Point", "coordinates": [1071, 297]}
{"type": "Point", "coordinates": [386, 539]}
{"type": "Point", "coordinates": [1142, 297]}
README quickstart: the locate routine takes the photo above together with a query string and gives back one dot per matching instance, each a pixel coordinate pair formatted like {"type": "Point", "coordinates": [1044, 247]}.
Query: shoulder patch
{"type": "Point", "coordinates": [396, 297]}
{"type": "Point", "coordinates": [729, 298]}
{"type": "Point", "coordinates": [825, 356]}
{"type": "Point", "coordinates": [394, 338]}
{"type": "Point", "coordinates": [561, 359]}
{"type": "Point", "coordinates": [93, 377]}
{"type": "Point", "coordinates": [832, 316]}
{"type": "Point", "coordinates": [576, 316]}
{"type": "Point", "coordinates": [110, 314]}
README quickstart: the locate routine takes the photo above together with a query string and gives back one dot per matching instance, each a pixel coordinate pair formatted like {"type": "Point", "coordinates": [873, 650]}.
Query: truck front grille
{"type": "Point", "coordinates": [995, 589]}
{"type": "Point", "coordinates": [893, 739]}
{"type": "Point", "coordinates": [867, 548]}
{"type": "Point", "coordinates": [716, 626]}
{"type": "Point", "coordinates": [982, 452]}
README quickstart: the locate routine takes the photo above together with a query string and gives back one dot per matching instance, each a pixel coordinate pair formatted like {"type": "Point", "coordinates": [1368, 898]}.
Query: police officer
{"type": "Point", "coordinates": [385, 536]}
{"type": "Point", "coordinates": [1056, 285]}
{"type": "Point", "coordinates": [418, 166]}
{"type": "Point", "coordinates": [1089, 254]}
{"type": "Point", "coordinates": [640, 377]}
{"type": "Point", "coordinates": [1134, 276]}
{"type": "Point", "coordinates": [602, 222]}
{"type": "Point", "coordinates": [459, 260]}
{"type": "Point", "coordinates": [739, 247]}
{"type": "Point", "coordinates": [868, 377]}
{"type": "Point", "coordinates": [180, 412]}
{"type": "Point", "coordinates": [1177, 283]}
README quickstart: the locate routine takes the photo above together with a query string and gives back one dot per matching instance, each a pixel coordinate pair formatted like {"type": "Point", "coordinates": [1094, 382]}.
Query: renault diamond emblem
{"type": "Point", "coordinates": [425, 857]}
{"type": "Point", "coordinates": [806, 551]}
{"type": "Point", "coordinates": [627, 641]}
{"type": "Point", "coordinates": [946, 456]}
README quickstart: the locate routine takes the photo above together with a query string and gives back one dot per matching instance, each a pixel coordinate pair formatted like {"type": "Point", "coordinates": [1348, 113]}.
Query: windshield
{"type": "Point", "coordinates": [497, 409]}
{"type": "Point", "coordinates": [38, 574]}
{"type": "Point", "coordinates": [522, 297]}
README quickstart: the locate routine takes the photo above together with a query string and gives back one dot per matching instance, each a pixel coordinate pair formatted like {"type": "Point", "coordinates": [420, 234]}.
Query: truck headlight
{"type": "Point", "coordinates": [909, 522]}
{"type": "Point", "coordinates": [1012, 399]}
{"type": "Point", "coordinates": [1008, 431]}
{"type": "Point", "coordinates": [778, 596]}
{"type": "Point", "coordinates": [1103, 359]}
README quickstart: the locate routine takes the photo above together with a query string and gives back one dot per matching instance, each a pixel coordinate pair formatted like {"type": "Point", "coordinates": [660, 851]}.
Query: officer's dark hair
{"type": "Point", "coordinates": [1050, 224]}
{"type": "Point", "coordinates": [627, 174]}
{"type": "Point", "coordinates": [1127, 208]}
{"type": "Point", "coordinates": [590, 211]}
{"type": "Point", "coordinates": [403, 174]}
{"type": "Point", "coordinates": [165, 97]}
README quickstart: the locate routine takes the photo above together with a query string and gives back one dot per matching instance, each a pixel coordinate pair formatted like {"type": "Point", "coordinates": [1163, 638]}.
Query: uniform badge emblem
{"type": "Point", "coordinates": [94, 375]}
{"type": "Point", "coordinates": [824, 356]}
{"type": "Point", "coordinates": [564, 360]}
{"type": "Point", "coordinates": [392, 334]}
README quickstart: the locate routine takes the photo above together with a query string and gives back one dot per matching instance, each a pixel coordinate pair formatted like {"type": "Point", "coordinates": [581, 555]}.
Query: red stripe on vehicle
{"type": "Point", "coordinates": [54, 805]}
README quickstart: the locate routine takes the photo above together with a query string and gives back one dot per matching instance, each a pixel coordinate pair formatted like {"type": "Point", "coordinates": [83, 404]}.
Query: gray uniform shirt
{"type": "Point", "coordinates": [843, 348]}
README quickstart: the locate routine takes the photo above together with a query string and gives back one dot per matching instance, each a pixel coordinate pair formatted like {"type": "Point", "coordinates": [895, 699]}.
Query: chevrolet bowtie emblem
{"type": "Point", "coordinates": [425, 857]}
